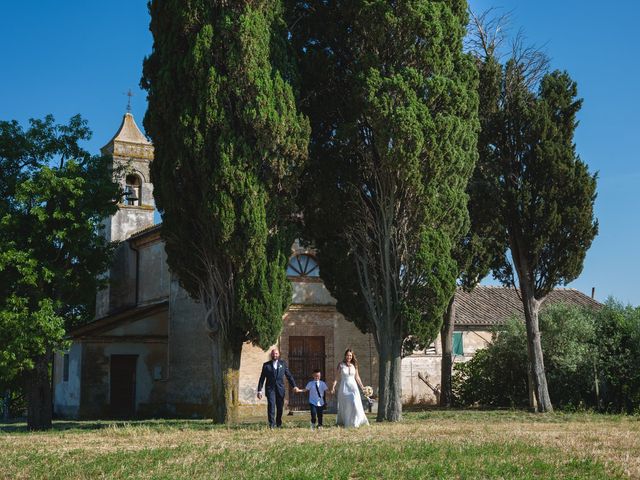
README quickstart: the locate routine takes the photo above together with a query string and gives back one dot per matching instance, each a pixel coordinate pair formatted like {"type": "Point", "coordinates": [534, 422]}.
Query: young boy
{"type": "Point", "coordinates": [317, 402]}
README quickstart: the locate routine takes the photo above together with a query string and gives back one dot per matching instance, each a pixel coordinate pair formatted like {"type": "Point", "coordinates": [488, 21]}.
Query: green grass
{"type": "Point", "coordinates": [434, 444]}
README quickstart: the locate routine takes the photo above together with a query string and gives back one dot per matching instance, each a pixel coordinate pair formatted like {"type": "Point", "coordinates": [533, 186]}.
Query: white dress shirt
{"type": "Point", "coordinates": [314, 398]}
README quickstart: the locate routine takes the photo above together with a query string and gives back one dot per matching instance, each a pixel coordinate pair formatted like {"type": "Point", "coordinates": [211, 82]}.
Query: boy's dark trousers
{"type": "Point", "coordinates": [316, 411]}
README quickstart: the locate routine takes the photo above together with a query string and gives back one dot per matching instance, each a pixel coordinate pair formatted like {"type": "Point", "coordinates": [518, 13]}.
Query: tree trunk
{"type": "Point", "coordinates": [596, 384]}
{"type": "Point", "coordinates": [226, 356]}
{"type": "Point", "coordinates": [39, 399]}
{"type": "Point", "coordinates": [531, 386]}
{"type": "Point", "coordinates": [390, 378]}
{"type": "Point", "coordinates": [446, 340]}
{"type": "Point", "coordinates": [6, 405]}
{"type": "Point", "coordinates": [534, 350]}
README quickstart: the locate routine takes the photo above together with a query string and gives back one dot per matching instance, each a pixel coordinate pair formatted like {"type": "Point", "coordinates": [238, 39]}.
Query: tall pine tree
{"type": "Point", "coordinates": [393, 106]}
{"type": "Point", "coordinates": [229, 146]}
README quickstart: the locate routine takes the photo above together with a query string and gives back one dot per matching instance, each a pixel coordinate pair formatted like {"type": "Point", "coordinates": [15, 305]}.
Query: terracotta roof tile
{"type": "Point", "coordinates": [495, 305]}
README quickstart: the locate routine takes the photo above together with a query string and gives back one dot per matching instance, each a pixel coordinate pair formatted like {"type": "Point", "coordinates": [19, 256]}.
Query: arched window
{"type": "Point", "coordinates": [133, 190]}
{"type": "Point", "coordinates": [303, 266]}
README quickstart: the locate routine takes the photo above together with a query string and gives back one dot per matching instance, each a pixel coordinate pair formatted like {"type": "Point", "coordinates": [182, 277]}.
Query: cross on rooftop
{"type": "Point", "coordinates": [129, 94]}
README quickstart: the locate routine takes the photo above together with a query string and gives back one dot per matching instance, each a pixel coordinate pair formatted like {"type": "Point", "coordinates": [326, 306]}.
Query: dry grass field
{"type": "Point", "coordinates": [432, 444]}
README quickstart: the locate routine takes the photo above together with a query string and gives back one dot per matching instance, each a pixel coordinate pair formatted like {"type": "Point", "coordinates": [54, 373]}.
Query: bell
{"type": "Point", "coordinates": [130, 194]}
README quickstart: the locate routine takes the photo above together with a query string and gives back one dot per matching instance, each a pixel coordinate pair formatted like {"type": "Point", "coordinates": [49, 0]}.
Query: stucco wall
{"type": "Point", "coordinates": [150, 391]}
{"type": "Point", "coordinates": [154, 273]}
{"type": "Point", "coordinates": [428, 364]}
{"type": "Point", "coordinates": [190, 374]}
{"type": "Point", "coordinates": [186, 383]}
{"type": "Point", "coordinates": [122, 279]}
{"type": "Point", "coordinates": [67, 393]}
{"type": "Point", "coordinates": [156, 324]}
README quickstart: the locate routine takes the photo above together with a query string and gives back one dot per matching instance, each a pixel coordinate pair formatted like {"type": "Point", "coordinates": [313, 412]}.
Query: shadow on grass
{"type": "Point", "coordinates": [20, 426]}
{"type": "Point", "coordinates": [249, 423]}
{"type": "Point", "coordinates": [411, 415]}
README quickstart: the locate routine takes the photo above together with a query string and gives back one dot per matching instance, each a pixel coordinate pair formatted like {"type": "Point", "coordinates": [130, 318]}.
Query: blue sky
{"type": "Point", "coordinates": [81, 57]}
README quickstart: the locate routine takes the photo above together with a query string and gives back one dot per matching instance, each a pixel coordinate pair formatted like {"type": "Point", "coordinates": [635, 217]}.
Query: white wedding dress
{"type": "Point", "coordinates": [350, 410]}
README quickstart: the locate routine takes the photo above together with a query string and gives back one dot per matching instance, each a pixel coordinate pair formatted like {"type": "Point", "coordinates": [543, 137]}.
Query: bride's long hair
{"type": "Point", "coordinates": [354, 361]}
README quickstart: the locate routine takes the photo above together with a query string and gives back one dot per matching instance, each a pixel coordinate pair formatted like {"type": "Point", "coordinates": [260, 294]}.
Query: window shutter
{"type": "Point", "coordinates": [457, 343]}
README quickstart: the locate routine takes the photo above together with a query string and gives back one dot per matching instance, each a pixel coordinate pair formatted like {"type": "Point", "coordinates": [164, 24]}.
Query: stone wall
{"type": "Point", "coordinates": [250, 368]}
{"type": "Point", "coordinates": [313, 313]}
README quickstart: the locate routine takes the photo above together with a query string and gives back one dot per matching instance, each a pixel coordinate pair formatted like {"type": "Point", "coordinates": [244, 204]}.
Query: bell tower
{"type": "Point", "coordinates": [132, 153]}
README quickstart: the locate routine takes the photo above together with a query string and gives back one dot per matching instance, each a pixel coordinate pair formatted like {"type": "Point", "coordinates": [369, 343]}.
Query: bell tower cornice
{"type": "Point", "coordinates": [129, 142]}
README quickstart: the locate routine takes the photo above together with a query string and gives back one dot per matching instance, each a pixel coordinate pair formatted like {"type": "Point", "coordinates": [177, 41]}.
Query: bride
{"type": "Point", "coordinates": [350, 410]}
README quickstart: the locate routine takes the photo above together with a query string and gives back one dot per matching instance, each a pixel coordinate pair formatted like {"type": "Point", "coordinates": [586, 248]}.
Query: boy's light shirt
{"type": "Point", "coordinates": [314, 399]}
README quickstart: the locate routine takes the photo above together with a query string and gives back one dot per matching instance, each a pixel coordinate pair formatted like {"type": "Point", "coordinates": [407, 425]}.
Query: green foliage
{"type": "Point", "coordinates": [393, 108]}
{"type": "Point", "coordinates": [544, 192]}
{"type": "Point", "coordinates": [497, 375]}
{"type": "Point", "coordinates": [229, 146]}
{"type": "Point", "coordinates": [581, 348]}
{"type": "Point", "coordinates": [54, 197]}
{"type": "Point", "coordinates": [485, 243]}
{"type": "Point", "coordinates": [618, 333]}
{"type": "Point", "coordinates": [27, 332]}
{"type": "Point", "coordinates": [569, 342]}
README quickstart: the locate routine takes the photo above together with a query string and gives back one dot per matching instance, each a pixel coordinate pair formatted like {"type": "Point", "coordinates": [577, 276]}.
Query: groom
{"type": "Point", "coordinates": [274, 372]}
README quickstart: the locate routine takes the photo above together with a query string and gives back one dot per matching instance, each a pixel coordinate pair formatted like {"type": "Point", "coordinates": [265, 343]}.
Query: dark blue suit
{"type": "Point", "coordinates": [274, 389]}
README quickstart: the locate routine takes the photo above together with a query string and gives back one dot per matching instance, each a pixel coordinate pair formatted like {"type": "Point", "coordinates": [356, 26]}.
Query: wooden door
{"type": "Point", "coordinates": [306, 354]}
{"type": "Point", "coordinates": [123, 385]}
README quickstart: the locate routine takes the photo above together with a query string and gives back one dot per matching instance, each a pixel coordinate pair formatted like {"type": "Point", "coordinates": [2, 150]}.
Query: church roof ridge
{"type": "Point", "coordinates": [145, 230]}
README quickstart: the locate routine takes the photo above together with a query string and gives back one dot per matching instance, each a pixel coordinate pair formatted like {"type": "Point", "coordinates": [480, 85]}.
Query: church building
{"type": "Point", "coordinates": [147, 352]}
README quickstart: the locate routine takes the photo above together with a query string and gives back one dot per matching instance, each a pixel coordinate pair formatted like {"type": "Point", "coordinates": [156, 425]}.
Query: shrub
{"type": "Point", "coordinates": [618, 333]}
{"type": "Point", "coordinates": [497, 375]}
{"type": "Point", "coordinates": [570, 355]}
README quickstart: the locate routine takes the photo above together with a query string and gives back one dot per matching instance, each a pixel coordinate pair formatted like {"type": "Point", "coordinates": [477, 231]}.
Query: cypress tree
{"type": "Point", "coordinates": [229, 146]}
{"type": "Point", "coordinates": [475, 253]}
{"type": "Point", "coordinates": [393, 107]}
{"type": "Point", "coordinates": [544, 194]}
